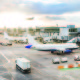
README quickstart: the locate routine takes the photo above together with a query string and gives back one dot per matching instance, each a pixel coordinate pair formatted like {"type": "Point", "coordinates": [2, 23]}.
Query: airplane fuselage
{"type": "Point", "coordinates": [56, 46]}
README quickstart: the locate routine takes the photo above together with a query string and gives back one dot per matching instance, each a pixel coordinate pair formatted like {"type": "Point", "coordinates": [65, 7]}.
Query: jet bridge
{"type": "Point", "coordinates": [74, 40]}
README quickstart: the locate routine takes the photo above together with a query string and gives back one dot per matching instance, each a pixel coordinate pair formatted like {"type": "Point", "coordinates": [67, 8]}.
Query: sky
{"type": "Point", "coordinates": [15, 13]}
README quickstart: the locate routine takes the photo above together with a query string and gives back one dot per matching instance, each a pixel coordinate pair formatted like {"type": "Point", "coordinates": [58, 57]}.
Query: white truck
{"type": "Point", "coordinates": [23, 65]}
{"type": "Point", "coordinates": [64, 59]}
{"type": "Point", "coordinates": [76, 58]}
{"type": "Point", "coordinates": [56, 60]}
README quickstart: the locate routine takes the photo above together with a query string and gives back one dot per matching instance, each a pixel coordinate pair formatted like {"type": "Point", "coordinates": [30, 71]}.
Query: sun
{"type": "Point", "coordinates": [17, 19]}
{"type": "Point", "coordinates": [12, 19]}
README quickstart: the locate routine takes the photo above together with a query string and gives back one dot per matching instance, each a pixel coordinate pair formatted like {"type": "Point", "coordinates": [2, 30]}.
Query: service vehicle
{"type": "Point", "coordinates": [4, 44]}
{"type": "Point", "coordinates": [64, 59]}
{"type": "Point", "coordinates": [76, 58]}
{"type": "Point", "coordinates": [0, 43]}
{"type": "Point", "coordinates": [23, 65]}
{"type": "Point", "coordinates": [56, 60]}
{"type": "Point", "coordinates": [9, 43]}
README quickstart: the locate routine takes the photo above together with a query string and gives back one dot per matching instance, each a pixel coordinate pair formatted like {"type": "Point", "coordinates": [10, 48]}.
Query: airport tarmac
{"type": "Point", "coordinates": [41, 64]}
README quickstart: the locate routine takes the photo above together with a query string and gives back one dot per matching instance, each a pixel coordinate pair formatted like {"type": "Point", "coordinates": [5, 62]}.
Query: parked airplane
{"type": "Point", "coordinates": [11, 38]}
{"type": "Point", "coordinates": [60, 48]}
{"type": "Point", "coordinates": [30, 18]}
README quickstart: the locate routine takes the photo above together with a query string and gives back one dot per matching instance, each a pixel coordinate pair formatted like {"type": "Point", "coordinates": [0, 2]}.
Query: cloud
{"type": "Point", "coordinates": [47, 1]}
{"type": "Point", "coordinates": [41, 8]}
{"type": "Point", "coordinates": [72, 17]}
{"type": "Point", "coordinates": [57, 7]}
{"type": "Point", "coordinates": [54, 18]}
{"type": "Point", "coordinates": [51, 11]}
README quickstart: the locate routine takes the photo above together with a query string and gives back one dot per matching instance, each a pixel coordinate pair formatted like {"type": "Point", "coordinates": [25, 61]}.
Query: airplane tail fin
{"type": "Point", "coordinates": [31, 40]}
{"type": "Point", "coordinates": [6, 36]}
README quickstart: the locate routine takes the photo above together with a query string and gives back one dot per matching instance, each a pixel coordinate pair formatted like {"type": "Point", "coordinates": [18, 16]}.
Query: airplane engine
{"type": "Point", "coordinates": [61, 51]}
{"type": "Point", "coordinates": [68, 51]}
{"type": "Point", "coordinates": [64, 51]}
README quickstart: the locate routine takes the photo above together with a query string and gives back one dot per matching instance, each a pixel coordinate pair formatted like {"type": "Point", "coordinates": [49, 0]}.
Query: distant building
{"type": "Point", "coordinates": [1, 32]}
{"type": "Point", "coordinates": [70, 26]}
{"type": "Point", "coordinates": [59, 33]}
{"type": "Point", "coordinates": [46, 31]}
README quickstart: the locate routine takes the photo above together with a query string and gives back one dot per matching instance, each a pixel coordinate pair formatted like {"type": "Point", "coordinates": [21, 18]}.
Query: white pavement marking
{"type": "Point", "coordinates": [5, 57]}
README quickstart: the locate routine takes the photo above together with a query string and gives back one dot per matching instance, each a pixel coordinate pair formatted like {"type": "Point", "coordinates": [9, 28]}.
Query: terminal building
{"type": "Point", "coordinates": [70, 26]}
{"type": "Point", "coordinates": [57, 33]}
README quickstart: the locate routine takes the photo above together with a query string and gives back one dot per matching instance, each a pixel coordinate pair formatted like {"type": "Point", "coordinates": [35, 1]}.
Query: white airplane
{"type": "Point", "coordinates": [11, 38]}
{"type": "Point", "coordinates": [30, 18]}
{"type": "Point", "coordinates": [59, 48]}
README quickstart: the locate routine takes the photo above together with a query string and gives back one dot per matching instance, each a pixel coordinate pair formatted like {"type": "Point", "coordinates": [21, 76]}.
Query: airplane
{"type": "Point", "coordinates": [31, 18]}
{"type": "Point", "coordinates": [11, 38]}
{"type": "Point", "coordinates": [58, 48]}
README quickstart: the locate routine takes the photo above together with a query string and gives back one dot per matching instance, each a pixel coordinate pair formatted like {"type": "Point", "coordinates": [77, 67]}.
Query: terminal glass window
{"type": "Point", "coordinates": [73, 30]}
{"type": "Point", "coordinates": [37, 30]}
{"type": "Point", "coordinates": [51, 30]}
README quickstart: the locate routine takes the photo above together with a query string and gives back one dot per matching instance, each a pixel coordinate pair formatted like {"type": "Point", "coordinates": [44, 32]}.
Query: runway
{"type": "Point", "coordinates": [41, 64]}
